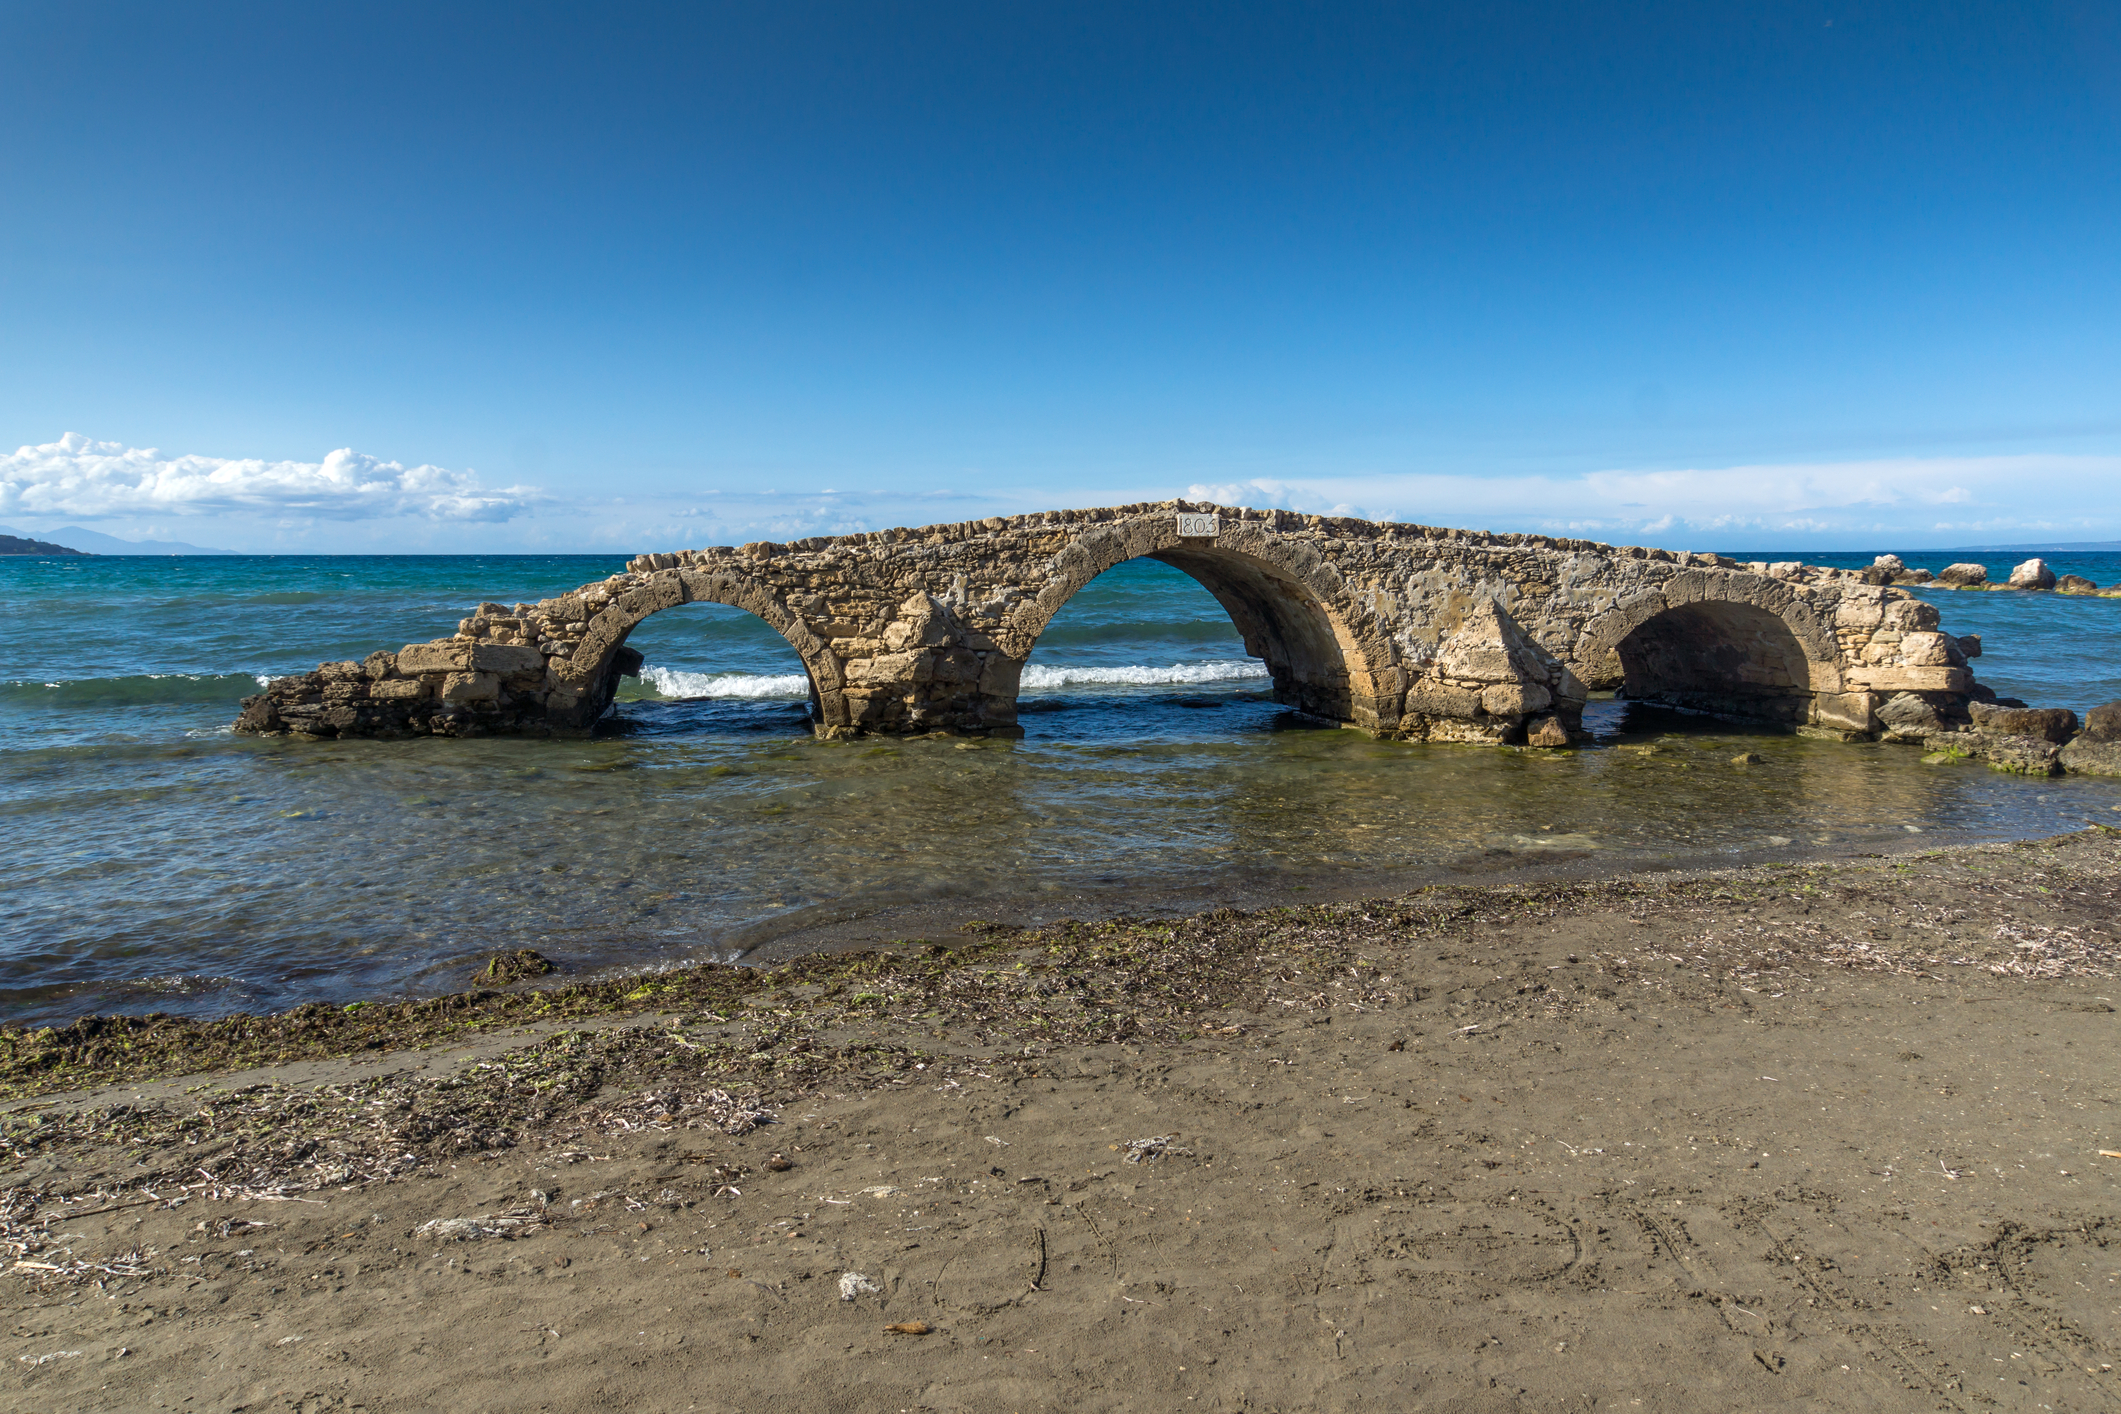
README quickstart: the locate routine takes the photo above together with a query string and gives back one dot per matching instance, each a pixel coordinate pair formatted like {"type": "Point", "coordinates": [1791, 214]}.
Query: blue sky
{"type": "Point", "coordinates": [629, 277]}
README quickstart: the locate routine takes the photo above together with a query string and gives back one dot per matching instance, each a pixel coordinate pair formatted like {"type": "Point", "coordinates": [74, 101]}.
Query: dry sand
{"type": "Point", "coordinates": [1812, 1137]}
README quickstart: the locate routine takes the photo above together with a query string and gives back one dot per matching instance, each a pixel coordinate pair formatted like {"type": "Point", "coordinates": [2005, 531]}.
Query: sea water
{"type": "Point", "coordinates": [157, 862]}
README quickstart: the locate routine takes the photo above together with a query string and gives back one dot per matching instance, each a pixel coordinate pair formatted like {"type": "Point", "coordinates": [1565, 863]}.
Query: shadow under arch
{"type": "Point", "coordinates": [603, 657]}
{"type": "Point", "coordinates": [1741, 652]}
{"type": "Point", "coordinates": [1286, 611]}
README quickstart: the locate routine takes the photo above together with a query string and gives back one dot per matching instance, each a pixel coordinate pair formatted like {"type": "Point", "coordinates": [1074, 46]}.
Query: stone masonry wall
{"type": "Point", "coordinates": [1403, 631]}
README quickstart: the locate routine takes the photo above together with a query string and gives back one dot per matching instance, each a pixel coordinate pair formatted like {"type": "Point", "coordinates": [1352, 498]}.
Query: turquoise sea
{"type": "Point", "coordinates": [157, 862]}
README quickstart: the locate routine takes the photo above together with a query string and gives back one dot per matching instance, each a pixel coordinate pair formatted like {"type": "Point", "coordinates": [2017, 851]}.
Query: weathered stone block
{"type": "Point", "coordinates": [1930, 650]}
{"type": "Point", "coordinates": [1846, 711]}
{"type": "Point", "coordinates": [1909, 616]}
{"type": "Point", "coordinates": [445, 657]}
{"type": "Point", "coordinates": [1436, 699]}
{"type": "Point", "coordinates": [1904, 679]}
{"type": "Point", "coordinates": [1963, 575]}
{"type": "Point", "coordinates": [1514, 699]}
{"type": "Point", "coordinates": [460, 688]}
{"type": "Point", "coordinates": [507, 658]}
{"type": "Point", "coordinates": [398, 690]}
{"type": "Point", "coordinates": [2103, 723]}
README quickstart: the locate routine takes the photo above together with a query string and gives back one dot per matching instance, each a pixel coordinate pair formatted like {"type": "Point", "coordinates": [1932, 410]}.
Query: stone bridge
{"type": "Point", "coordinates": [1402, 631]}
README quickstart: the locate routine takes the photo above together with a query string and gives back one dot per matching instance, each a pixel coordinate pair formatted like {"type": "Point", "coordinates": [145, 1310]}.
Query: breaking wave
{"type": "Point", "coordinates": [134, 690]}
{"type": "Point", "coordinates": [670, 682]}
{"type": "Point", "coordinates": [1224, 670]}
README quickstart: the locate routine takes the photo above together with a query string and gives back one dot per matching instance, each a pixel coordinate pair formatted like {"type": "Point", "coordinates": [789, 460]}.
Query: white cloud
{"type": "Point", "coordinates": [77, 477]}
{"type": "Point", "coordinates": [1984, 496]}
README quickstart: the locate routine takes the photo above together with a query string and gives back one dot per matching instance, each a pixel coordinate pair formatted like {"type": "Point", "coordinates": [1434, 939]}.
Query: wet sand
{"type": "Point", "coordinates": [1820, 1136]}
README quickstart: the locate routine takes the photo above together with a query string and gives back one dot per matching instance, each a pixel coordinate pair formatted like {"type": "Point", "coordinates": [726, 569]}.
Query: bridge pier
{"type": "Point", "coordinates": [1406, 632]}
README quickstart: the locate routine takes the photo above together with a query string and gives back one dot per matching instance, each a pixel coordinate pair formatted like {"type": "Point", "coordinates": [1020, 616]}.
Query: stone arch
{"type": "Point", "coordinates": [601, 658]}
{"type": "Point", "coordinates": [1290, 604]}
{"type": "Point", "coordinates": [1738, 646]}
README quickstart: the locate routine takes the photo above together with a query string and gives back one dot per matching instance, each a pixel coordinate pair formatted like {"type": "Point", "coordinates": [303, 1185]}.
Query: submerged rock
{"type": "Point", "coordinates": [2026, 755]}
{"type": "Point", "coordinates": [2075, 584]}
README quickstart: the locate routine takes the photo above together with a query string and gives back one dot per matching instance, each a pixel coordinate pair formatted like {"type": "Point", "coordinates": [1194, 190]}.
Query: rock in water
{"type": "Point", "coordinates": [2088, 757]}
{"type": "Point", "coordinates": [505, 967]}
{"type": "Point", "coordinates": [1907, 717]}
{"type": "Point", "coordinates": [1963, 576]}
{"type": "Point", "coordinates": [1891, 563]}
{"type": "Point", "coordinates": [2103, 723]}
{"type": "Point", "coordinates": [2075, 584]}
{"type": "Point", "coordinates": [2055, 724]}
{"type": "Point", "coordinates": [2027, 755]}
{"type": "Point", "coordinates": [2033, 574]}
{"type": "Point", "coordinates": [1548, 731]}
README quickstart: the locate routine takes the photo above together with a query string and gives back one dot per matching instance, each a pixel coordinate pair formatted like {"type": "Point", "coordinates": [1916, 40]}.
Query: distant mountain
{"type": "Point", "coordinates": [95, 542]}
{"type": "Point", "coordinates": [16, 545]}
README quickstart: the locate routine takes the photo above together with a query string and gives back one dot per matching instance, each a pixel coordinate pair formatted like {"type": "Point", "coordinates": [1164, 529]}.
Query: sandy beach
{"type": "Point", "coordinates": [1824, 1136]}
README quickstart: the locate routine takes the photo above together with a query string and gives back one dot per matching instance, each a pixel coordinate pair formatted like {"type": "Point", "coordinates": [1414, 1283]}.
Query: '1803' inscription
{"type": "Point", "coordinates": [1197, 525]}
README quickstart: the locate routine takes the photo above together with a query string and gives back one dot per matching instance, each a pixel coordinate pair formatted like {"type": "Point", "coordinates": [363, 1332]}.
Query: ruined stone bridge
{"type": "Point", "coordinates": [1403, 631]}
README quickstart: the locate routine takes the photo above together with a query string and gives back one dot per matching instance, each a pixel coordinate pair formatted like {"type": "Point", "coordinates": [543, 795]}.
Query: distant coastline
{"type": "Point", "coordinates": [95, 542]}
{"type": "Point", "coordinates": [17, 545]}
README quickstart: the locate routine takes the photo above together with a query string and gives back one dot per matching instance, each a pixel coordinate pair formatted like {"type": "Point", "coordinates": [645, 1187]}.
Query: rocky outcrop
{"type": "Point", "coordinates": [1406, 632]}
{"type": "Point", "coordinates": [2053, 724]}
{"type": "Point", "coordinates": [1963, 576]}
{"type": "Point", "coordinates": [2087, 757]}
{"type": "Point", "coordinates": [2033, 574]}
{"type": "Point", "coordinates": [2014, 737]}
{"type": "Point", "coordinates": [2025, 755]}
{"type": "Point", "coordinates": [425, 689]}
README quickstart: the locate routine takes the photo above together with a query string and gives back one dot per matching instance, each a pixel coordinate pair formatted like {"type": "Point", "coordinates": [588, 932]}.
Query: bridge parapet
{"type": "Point", "coordinates": [1403, 631]}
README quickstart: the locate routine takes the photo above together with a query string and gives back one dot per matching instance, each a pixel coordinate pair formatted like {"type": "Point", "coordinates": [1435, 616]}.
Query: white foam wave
{"type": "Point", "coordinates": [669, 682]}
{"type": "Point", "coordinates": [1225, 670]}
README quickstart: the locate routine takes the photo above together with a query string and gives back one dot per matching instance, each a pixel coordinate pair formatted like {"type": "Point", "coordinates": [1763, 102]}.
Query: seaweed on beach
{"type": "Point", "coordinates": [718, 1051]}
{"type": "Point", "coordinates": [1081, 983]}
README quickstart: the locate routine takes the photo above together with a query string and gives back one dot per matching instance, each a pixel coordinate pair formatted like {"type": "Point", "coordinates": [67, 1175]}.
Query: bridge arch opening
{"type": "Point", "coordinates": [1292, 645]}
{"type": "Point", "coordinates": [1727, 659]}
{"type": "Point", "coordinates": [706, 666]}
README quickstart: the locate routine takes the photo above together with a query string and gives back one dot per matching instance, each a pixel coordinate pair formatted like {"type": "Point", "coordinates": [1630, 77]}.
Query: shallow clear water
{"type": "Point", "coordinates": [160, 863]}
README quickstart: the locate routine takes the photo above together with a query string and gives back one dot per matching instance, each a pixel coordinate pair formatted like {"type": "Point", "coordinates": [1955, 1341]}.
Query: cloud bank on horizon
{"type": "Point", "coordinates": [1902, 500]}
{"type": "Point", "coordinates": [82, 479]}
{"type": "Point", "coordinates": [351, 501]}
